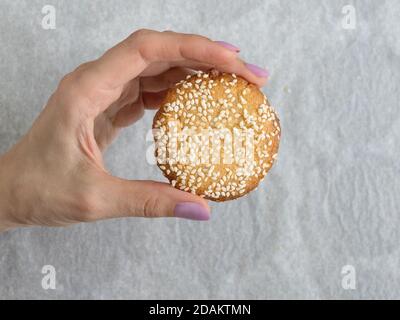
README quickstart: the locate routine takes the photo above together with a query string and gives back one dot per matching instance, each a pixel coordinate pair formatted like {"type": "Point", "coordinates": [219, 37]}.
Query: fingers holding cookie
{"type": "Point", "coordinates": [149, 53]}
{"type": "Point", "coordinates": [117, 198]}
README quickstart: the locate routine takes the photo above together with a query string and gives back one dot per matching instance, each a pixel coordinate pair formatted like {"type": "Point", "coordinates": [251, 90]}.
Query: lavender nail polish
{"type": "Point", "coordinates": [259, 72]}
{"type": "Point", "coordinates": [228, 45]}
{"type": "Point", "coordinates": [192, 211]}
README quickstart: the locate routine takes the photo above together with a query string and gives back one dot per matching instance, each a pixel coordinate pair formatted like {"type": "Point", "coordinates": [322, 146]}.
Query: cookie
{"type": "Point", "coordinates": [216, 136]}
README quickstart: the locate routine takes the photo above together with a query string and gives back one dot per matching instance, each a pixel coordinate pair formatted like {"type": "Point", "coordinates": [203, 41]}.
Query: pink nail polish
{"type": "Point", "coordinates": [259, 72]}
{"type": "Point", "coordinates": [192, 211]}
{"type": "Point", "coordinates": [228, 45]}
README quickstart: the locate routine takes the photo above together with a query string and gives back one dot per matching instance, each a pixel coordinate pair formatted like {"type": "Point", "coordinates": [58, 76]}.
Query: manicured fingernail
{"type": "Point", "coordinates": [192, 211]}
{"type": "Point", "coordinates": [259, 72]}
{"type": "Point", "coordinates": [228, 45]}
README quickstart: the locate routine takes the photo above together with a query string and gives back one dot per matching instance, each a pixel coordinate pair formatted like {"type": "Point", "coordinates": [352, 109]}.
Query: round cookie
{"type": "Point", "coordinates": [216, 136]}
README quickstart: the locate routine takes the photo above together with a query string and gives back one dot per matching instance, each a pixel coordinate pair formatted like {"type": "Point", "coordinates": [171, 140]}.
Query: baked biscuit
{"type": "Point", "coordinates": [216, 136]}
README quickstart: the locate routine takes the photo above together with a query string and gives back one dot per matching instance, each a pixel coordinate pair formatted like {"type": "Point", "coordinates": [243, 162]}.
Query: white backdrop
{"type": "Point", "coordinates": [331, 200]}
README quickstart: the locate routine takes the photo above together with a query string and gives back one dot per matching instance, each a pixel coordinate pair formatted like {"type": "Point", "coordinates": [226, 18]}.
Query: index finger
{"type": "Point", "coordinates": [131, 57]}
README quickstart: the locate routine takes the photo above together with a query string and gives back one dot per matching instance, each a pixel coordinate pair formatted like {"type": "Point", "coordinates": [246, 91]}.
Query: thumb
{"type": "Point", "coordinates": [137, 198]}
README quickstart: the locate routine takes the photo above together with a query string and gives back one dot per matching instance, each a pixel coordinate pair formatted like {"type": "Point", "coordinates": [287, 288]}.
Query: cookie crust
{"type": "Point", "coordinates": [233, 113]}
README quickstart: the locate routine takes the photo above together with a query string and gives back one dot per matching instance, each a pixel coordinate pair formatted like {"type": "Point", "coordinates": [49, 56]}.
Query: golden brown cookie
{"type": "Point", "coordinates": [216, 136]}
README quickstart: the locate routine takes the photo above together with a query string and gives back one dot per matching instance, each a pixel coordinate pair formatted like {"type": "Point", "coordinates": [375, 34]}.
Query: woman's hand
{"type": "Point", "coordinates": [55, 175]}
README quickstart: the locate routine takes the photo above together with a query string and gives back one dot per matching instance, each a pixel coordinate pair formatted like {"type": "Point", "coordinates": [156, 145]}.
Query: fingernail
{"type": "Point", "coordinates": [259, 72]}
{"type": "Point", "coordinates": [192, 211]}
{"type": "Point", "coordinates": [228, 45]}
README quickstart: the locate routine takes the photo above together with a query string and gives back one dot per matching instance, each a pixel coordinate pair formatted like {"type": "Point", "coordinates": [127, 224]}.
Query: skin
{"type": "Point", "coordinates": [55, 175]}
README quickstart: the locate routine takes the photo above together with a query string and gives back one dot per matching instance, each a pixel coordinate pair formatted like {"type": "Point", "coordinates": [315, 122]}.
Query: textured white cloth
{"type": "Point", "coordinates": [332, 198]}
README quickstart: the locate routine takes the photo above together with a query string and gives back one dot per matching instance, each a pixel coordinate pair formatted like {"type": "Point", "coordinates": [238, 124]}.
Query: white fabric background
{"type": "Point", "coordinates": [332, 198]}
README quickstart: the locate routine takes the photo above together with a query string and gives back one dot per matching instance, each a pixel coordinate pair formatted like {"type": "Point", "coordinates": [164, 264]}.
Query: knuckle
{"type": "Point", "coordinates": [143, 31]}
{"type": "Point", "coordinates": [143, 41]}
{"type": "Point", "coordinates": [169, 32]}
{"type": "Point", "coordinates": [66, 93]}
{"type": "Point", "coordinates": [66, 82]}
{"type": "Point", "coordinates": [71, 79]}
{"type": "Point", "coordinates": [78, 79]}
{"type": "Point", "coordinates": [139, 36]}
{"type": "Point", "coordinates": [70, 87]}
{"type": "Point", "coordinates": [77, 86]}
{"type": "Point", "coordinates": [150, 205]}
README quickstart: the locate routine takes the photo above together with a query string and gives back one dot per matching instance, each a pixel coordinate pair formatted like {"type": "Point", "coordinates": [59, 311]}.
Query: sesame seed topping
{"type": "Point", "coordinates": [199, 106]}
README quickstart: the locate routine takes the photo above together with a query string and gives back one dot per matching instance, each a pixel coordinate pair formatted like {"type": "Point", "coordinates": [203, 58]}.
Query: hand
{"type": "Point", "coordinates": [55, 175]}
